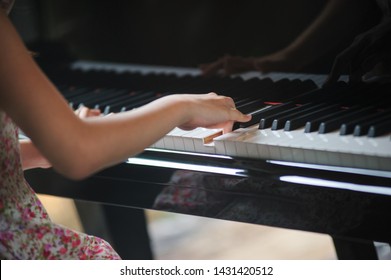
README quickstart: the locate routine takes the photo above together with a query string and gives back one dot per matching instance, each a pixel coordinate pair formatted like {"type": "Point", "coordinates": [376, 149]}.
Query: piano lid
{"type": "Point", "coordinates": [157, 32]}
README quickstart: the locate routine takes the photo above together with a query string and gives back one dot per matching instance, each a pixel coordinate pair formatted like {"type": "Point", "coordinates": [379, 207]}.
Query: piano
{"type": "Point", "coordinates": [313, 159]}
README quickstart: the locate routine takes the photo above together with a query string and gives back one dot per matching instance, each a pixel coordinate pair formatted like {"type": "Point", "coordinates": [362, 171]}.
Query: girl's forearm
{"type": "Point", "coordinates": [31, 157]}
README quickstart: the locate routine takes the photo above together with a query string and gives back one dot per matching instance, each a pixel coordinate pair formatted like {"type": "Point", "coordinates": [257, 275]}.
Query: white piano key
{"type": "Point", "coordinates": [297, 146]}
{"type": "Point", "coordinates": [159, 144]}
{"type": "Point", "coordinates": [380, 146]}
{"type": "Point", "coordinates": [276, 138]}
{"type": "Point", "coordinates": [285, 144]}
{"type": "Point", "coordinates": [260, 140]}
{"type": "Point", "coordinates": [384, 163]}
{"type": "Point", "coordinates": [177, 135]}
{"type": "Point", "coordinates": [226, 142]}
{"type": "Point", "coordinates": [195, 140]}
{"type": "Point", "coordinates": [240, 141]}
{"type": "Point", "coordinates": [168, 142]}
{"type": "Point", "coordinates": [295, 143]}
{"type": "Point", "coordinates": [201, 140]}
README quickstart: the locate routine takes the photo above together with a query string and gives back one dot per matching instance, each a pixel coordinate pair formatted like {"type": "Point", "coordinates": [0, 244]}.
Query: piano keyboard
{"type": "Point", "coordinates": [293, 118]}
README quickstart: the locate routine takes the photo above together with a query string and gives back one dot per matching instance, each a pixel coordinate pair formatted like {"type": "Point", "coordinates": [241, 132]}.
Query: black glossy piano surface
{"type": "Point", "coordinates": [346, 202]}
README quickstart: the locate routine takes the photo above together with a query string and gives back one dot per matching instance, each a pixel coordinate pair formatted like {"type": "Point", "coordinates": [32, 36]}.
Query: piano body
{"type": "Point", "coordinates": [311, 159]}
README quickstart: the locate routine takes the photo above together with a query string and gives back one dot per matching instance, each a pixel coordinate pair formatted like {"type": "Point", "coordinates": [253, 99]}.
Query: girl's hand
{"type": "Point", "coordinates": [210, 111]}
{"type": "Point", "coordinates": [85, 112]}
{"type": "Point", "coordinates": [369, 51]}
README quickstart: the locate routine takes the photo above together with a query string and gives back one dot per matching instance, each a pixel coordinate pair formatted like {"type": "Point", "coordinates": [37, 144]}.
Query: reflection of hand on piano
{"type": "Point", "coordinates": [281, 61]}
{"type": "Point", "coordinates": [228, 65]}
{"type": "Point", "coordinates": [370, 51]}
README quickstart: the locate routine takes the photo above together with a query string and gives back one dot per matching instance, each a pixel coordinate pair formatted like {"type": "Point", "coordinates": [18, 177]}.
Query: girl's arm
{"type": "Point", "coordinates": [78, 147]}
{"type": "Point", "coordinates": [31, 157]}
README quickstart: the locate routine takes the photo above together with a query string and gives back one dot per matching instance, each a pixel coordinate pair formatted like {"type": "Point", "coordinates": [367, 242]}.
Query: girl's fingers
{"type": "Point", "coordinates": [239, 116]}
{"type": "Point", "coordinates": [85, 112]}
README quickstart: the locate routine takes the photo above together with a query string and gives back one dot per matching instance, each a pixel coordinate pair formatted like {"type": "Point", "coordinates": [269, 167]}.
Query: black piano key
{"type": "Point", "coordinates": [349, 127]}
{"type": "Point", "coordinates": [226, 86]}
{"type": "Point", "coordinates": [107, 103]}
{"type": "Point", "coordinates": [295, 87]}
{"type": "Point", "coordinates": [250, 90]}
{"type": "Point", "coordinates": [352, 114]}
{"type": "Point", "coordinates": [300, 121]}
{"type": "Point", "coordinates": [106, 95]}
{"type": "Point", "coordinates": [267, 90]}
{"type": "Point", "coordinates": [380, 129]}
{"type": "Point", "coordinates": [279, 90]}
{"type": "Point", "coordinates": [313, 125]}
{"type": "Point", "coordinates": [132, 104]}
{"type": "Point", "coordinates": [321, 94]}
{"type": "Point", "coordinates": [266, 117]}
{"type": "Point", "coordinates": [363, 128]}
{"type": "Point", "coordinates": [308, 85]}
{"type": "Point", "coordinates": [279, 121]}
{"type": "Point", "coordinates": [106, 110]}
{"type": "Point", "coordinates": [72, 92]}
{"type": "Point", "coordinates": [103, 96]}
{"type": "Point", "coordinates": [255, 117]}
{"type": "Point", "coordinates": [113, 101]}
{"type": "Point", "coordinates": [242, 101]}
{"type": "Point", "coordinates": [251, 106]}
{"type": "Point", "coordinates": [86, 96]}
{"type": "Point", "coordinates": [127, 100]}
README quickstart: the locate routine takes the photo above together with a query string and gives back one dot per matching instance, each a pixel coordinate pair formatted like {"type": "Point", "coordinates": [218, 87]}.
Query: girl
{"type": "Point", "coordinates": [29, 99]}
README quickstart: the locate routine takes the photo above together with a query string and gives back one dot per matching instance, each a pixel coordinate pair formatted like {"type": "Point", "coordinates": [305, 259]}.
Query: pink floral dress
{"type": "Point", "coordinates": [26, 231]}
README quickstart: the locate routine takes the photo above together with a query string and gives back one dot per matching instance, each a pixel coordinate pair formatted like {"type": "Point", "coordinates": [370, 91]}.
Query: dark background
{"type": "Point", "coordinates": [165, 32]}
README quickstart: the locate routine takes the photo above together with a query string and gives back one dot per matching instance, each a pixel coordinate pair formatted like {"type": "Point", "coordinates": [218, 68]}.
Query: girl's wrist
{"type": "Point", "coordinates": [178, 106]}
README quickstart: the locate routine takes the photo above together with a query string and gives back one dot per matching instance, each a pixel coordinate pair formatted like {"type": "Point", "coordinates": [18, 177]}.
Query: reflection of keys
{"type": "Point", "coordinates": [196, 140]}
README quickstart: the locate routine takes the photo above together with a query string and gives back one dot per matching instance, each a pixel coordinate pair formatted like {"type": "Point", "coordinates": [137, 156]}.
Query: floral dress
{"type": "Point", "coordinates": [26, 231]}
